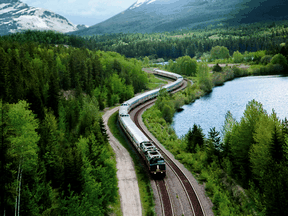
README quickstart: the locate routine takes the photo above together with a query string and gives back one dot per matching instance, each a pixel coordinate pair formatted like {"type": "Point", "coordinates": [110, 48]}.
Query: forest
{"type": "Point", "coordinates": [55, 155]}
{"type": "Point", "coordinates": [170, 45]}
{"type": "Point", "coordinates": [54, 150]}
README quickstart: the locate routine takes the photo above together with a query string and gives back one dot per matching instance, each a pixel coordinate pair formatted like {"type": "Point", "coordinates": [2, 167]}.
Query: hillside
{"type": "Point", "coordinates": [147, 16]}
{"type": "Point", "coordinates": [16, 16]}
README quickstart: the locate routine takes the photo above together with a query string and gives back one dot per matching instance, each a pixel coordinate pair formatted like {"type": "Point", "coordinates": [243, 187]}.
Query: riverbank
{"type": "Point", "coordinates": [227, 196]}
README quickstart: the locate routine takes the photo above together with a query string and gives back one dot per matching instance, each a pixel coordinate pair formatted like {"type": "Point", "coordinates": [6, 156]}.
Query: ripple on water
{"type": "Point", "coordinates": [209, 111]}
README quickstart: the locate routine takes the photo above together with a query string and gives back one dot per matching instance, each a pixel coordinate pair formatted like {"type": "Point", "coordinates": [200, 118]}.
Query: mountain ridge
{"type": "Point", "coordinates": [16, 16]}
{"type": "Point", "coordinates": [147, 16]}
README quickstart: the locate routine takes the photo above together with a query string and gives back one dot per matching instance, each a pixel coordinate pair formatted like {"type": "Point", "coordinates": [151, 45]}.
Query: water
{"type": "Point", "coordinates": [209, 111]}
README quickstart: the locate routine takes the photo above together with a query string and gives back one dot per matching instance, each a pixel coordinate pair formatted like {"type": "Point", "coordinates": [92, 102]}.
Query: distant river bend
{"type": "Point", "coordinates": [209, 111]}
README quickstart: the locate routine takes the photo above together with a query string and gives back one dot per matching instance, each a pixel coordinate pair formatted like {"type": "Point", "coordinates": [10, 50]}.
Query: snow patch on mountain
{"type": "Point", "coordinates": [140, 2]}
{"type": "Point", "coordinates": [16, 16]}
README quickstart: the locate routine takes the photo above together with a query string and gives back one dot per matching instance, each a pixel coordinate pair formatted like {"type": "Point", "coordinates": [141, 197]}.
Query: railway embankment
{"type": "Point", "coordinates": [227, 198]}
{"type": "Point", "coordinates": [136, 195]}
{"type": "Point", "coordinates": [199, 188]}
{"type": "Point", "coordinates": [127, 181]}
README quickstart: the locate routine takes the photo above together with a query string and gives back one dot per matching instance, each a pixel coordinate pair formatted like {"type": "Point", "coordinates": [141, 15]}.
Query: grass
{"type": "Point", "coordinates": [154, 82]}
{"type": "Point", "coordinates": [116, 207]}
{"type": "Point", "coordinates": [146, 192]}
{"type": "Point", "coordinates": [224, 201]}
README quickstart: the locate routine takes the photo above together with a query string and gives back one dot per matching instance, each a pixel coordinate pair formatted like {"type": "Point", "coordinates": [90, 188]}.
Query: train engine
{"type": "Point", "coordinates": [153, 158]}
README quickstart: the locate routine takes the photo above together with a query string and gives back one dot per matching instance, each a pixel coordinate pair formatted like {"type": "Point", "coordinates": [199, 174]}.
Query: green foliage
{"type": "Point", "coordinates": [217, 68]}
{"type": "Point", "coordinates": [185, 66]}
{"type": "Point", "coordinates": [204, 79]}
{"type": "Point", "coordinates": [194, 136]}
{"type": "Point", "coordinates": [42, 163]}
{"type": "Point", "coordinates": [237, 57]}
{"type": "Point", "coordinates": [279, 59]}
{"type": "Point", "coordinates": [265, 59]}
{"type": "Point", "coordinates": [146, 61]}
{"type": "Point", "coordinates": [198, 163]}
{"type": "Point", "coordinates": [214, 146]}
{"type": "Point", "coordinates": [256, 147]}
{"type": "Point", "coordinates": [23, 125]}
{"type": "Point", "coordinates": [172, 45]}
{"type": "Point", "coordinates": [219, 52]}
{"type": "Point", "coordinates": [259, 55]}
{"type": "Point", "coordinates": [146, 192]}
{"type": "Point", "coordinates": [167, 113]}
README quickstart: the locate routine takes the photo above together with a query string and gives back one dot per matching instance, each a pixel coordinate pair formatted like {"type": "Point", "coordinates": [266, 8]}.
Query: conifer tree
{"type": "Point", "coordinates": [4, 70]}
{"type": "Point", "coordinates": [194, 136]}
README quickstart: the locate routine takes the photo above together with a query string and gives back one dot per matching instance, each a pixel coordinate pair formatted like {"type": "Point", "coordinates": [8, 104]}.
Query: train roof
{"type": "Point", "coordinates": [173, 83]}
{"type": "Point", "coordinates": [123, 110]}
{"type": "Point", "coordinates": [137, 134]}
{"type": "Point", "coordinates": [130, 101]}
{"type": "Point", "coordinates": [154, 154]}
{"type": "Point", "coordinates": [169, 73]}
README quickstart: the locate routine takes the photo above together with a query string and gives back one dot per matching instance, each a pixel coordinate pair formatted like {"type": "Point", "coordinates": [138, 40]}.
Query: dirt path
{"type": "Point", "coordinates": [126, 175]}
{"type": "Point", "coordinates": [231, 65]}
{"type": "Point", "coordinates": [127, 181]}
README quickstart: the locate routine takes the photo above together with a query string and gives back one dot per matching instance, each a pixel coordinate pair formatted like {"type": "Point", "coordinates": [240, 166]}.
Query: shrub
{"type": "Point", "coordinates": [167, 113]}
{"type": "Point", "coordinates": [209, 188]}
{"type": "Point", "coordinates": [219, 52]}
{"type": "Point", "coordinates": [218, 79]}
{"type": "Point", "coordinates": [237, 57]}
{"type": "Point", "coordinates": [237, 72]}
{"type": "Point", "coordinates": [279, 59]}
{"type": "Point", "coordinates": [265, 59]}
{"type": "Point", "coordinates": [217, 68]}
{"type": "Point", "coordinates": [228, 74]}
{"type": "Point", "coordinates": [258, 55]}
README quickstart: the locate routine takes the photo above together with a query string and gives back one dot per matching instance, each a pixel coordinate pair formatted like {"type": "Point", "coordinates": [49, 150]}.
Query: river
{"type": "Point", "coordinates": [209, 111]}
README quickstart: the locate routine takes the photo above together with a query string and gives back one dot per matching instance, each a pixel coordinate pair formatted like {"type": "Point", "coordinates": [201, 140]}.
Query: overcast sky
{"type": "Point", "coordinates": [87, 12]}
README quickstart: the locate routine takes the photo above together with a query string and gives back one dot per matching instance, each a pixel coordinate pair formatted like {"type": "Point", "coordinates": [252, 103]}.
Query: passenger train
{"type": "Point", "coordinates": [144, 146]}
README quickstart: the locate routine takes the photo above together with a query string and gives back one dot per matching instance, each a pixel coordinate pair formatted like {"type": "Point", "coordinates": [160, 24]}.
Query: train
{"type": "Point", "coordinates": [146, 148]}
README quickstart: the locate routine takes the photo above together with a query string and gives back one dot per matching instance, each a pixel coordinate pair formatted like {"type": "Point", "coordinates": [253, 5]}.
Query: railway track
{"type": "Point", "coordinates": [166, 200]}
{"type": "Point", "coordinates": [166, 204]}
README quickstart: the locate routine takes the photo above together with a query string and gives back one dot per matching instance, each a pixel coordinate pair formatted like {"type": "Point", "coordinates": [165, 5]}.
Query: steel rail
{"type": "Point", "coordinates": [194, 201]}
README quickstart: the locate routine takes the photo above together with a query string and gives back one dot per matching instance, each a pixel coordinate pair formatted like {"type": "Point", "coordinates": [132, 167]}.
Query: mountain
{"type": "Point", "coordinates": [16, 16]}
{"type": "Point", "coordinates": [146, 16]}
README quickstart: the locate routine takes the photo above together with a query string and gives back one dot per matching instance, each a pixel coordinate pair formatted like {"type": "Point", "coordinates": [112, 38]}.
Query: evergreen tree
{"type": "Point", "coordinates": [194, 136]}
{"type": "Point", "coordinates": [4, 70]}
{"type": "Point", "coordinates": [276, 147]}
{"type": "Point", "coordinates": [217, 68]}
{"type": "Point", "coordinates": [53, 94]}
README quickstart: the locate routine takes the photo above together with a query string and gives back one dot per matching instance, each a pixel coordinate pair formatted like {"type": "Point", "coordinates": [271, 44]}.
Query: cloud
{"type": "Point", "coordinates": [90, 9]}
{"type": "Point", "coordinates": [82, 7]}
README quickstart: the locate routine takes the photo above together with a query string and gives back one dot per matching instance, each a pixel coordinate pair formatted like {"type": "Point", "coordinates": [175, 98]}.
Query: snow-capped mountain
{"type": "Point", "coordinates": [146, 16]}
{"type": "Point", "coordinates": [16, 16]}
{"type": "Point", "coordinates": [139, 3]}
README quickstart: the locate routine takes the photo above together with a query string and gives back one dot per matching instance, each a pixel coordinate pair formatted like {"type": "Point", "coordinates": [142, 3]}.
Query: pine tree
{"type": "Point", "coordinates": [4, 70]}
{"type": "Point", "coordinates": [276, 148]}
{"type": "Point", "coordinates": [53, 94]}
{"type": "Point", "coordinates": [5, 174]}
{"type": "Point", "coordinates": [194, 137]}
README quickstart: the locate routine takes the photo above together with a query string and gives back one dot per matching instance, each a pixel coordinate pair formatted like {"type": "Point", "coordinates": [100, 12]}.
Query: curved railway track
{"type": "Point", "coordinates": [167, 206]}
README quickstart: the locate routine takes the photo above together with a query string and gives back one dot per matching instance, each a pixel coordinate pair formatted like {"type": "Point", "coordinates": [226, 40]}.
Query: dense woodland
{"type": "Point", "coordinates": [55, 155]}
{"type": "Point", "coordinates": [171, 45]}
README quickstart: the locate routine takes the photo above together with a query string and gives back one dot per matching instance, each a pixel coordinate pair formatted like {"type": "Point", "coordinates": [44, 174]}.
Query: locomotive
{"type": "Point", "coordinates": [146, 147]}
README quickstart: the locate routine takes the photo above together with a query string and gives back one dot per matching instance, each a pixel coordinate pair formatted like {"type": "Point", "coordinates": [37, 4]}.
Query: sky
{"type": "Point", "coordinates": [87, 12]}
